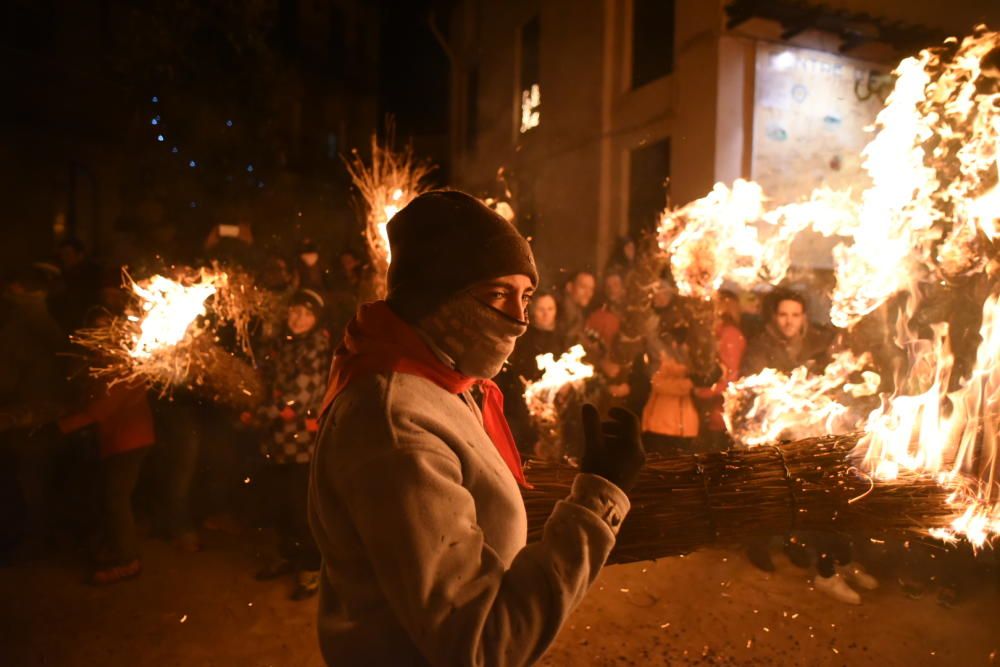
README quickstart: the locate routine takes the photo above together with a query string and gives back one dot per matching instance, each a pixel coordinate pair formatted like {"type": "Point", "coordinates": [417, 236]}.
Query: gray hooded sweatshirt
{"type": "Point", "coordinates": [423, 534]}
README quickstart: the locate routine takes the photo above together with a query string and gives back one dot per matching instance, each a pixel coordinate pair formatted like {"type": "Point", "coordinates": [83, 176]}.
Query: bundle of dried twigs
{"type": "Point", "coordinates": [686, 502]}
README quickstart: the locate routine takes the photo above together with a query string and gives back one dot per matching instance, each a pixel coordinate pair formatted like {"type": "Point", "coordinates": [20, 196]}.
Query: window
{"type": "Point", "coordinates": [649, 169]}
{"type": "Point", "coordinates": [530, 80]}
{"type": "Point", "coordinates": [471, 109]}
{"type": "Point", "coordinates": [652, 40]}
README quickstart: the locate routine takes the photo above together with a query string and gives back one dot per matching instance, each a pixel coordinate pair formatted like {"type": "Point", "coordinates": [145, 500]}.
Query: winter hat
{"type": "Point", "coordinates": [308, 298]}
{"type": "Point", "coordinates": [445, 241]}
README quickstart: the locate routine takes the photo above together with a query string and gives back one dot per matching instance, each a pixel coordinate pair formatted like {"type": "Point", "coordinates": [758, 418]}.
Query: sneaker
{"type": "Point", "coordinates": [856, 575]}
{"type": "Point", "coordinates": [112, 575]}
{"type": "Point", "coordinates": [277, 567]}
{"type": "Point", "coordinates": [836, 588]}
{"type": "Point", "coordinates": [307, 585]}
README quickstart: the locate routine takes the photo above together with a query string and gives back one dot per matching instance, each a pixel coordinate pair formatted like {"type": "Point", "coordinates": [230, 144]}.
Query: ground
{"type": "Point", "coordinates": [712, 607]}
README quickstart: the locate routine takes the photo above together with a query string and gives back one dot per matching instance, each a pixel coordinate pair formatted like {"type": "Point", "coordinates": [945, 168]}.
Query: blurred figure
{"type": "Point", "coordinates": [31, 390]}
{"type": "Point", "coordinates": [541, 337]}
{"type": "Point", "coordinates": [669, 419]}
{"type": "Point", "coordinates": [731, 347]}
{"type": "Point", "coordinates": [124, 424]}
{"type": "Point", "coordinates": [80, 284]}
{"type": "Point", "coordinates": [622, 260]}
{"type": "Point", "coordinates": [751, 320]}
{"type": "Point", "coordinates": [787, 341]}
{"type": "Point", "coordinates": [297, 372]}
{"type": "Point", "coordinates": [344, 299]}
{"type": "Point", "coordinates": [578, 292]}
{"type": "Point", "coordinates": [233, 245]}
{"type": "Point", "coordinates": [606, 320]}
{"type": "Point", "coordinates": [311, 272]}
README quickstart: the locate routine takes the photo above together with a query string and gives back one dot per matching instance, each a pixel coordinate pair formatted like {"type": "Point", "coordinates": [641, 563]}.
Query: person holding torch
{"type": "Point", "coordinates": [414, 492]}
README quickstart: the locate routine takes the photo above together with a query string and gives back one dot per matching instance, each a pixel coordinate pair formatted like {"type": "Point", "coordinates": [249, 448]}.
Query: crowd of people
{"type": "Point", "coordinates": [84, 451]}
{"type": "Point", "coordinates": [194, 465]}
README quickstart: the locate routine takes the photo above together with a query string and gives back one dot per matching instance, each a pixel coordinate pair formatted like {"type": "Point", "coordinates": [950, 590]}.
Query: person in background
{"type": "Point", "coordinates": [606, 319]}
{"type": "Point", "coordinates": [296, 371]}
{"type": "Point", "coordinates": [233, 245]}
{"type": "Point", "coordinates": [79, 286]}
{"type": "Point", "coordinates": [31, 393]}
{"type": "Point", "coordinates": [541, 337]}
{"type": "Point", "coordinates": [124, 424]}
{"type": "Point", "coordinates": [578, 292]}
{"type": "Point", "coordinates": [751, 320]}
{"type": "Point", "coordinates": [731, 347]}
{"type": "Point", "coordinates": [311, 272]}
{"type": "Point", "coordinates": [669, 419]}
{"type": "Point", "coordinates": [622, 260]}
{"type": "Point", "coordinates": [787, 341]}
{"type": "Point", "coordinates": [345, 294]}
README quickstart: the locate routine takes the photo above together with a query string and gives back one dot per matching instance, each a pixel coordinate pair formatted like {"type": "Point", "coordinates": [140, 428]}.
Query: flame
{"type": "Point", "coordinates": [731, 234]}
{"type": "Point", "coordinates": [928, 220]}
{"type": "Point", "coordinates": [169, 308]}
{"type": "Point", "coordinates": [568, 370]}
{"type": "Point", "coordinates": [772, 406]}
{"type": "Point", "coordinates": [387, 184]}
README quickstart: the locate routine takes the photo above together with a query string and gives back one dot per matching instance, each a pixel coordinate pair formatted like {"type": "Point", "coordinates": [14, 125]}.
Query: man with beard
{"type": "Point", "coordinates": [414, 497]}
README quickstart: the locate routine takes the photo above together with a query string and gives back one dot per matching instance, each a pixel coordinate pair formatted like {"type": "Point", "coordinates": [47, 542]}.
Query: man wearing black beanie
{"type": "Point", "coordinates": [414, 496]}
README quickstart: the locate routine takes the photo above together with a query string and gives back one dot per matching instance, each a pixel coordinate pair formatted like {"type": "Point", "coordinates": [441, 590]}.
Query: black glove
{"type": "Point", "coordinates": [612, 449]}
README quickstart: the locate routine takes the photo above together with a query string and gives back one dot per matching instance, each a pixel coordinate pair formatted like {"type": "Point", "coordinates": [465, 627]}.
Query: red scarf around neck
{"type": "Point", "coordinates": [378, 341]}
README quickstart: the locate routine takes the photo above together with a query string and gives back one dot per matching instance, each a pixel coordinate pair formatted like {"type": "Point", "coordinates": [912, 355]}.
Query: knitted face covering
{"type": "Point", "coordinates": [479, 338]}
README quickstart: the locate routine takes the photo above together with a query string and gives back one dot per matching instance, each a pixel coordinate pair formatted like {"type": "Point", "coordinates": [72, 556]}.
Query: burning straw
{"type": "Point", "coordinates": [687, 502]}
{"type": "Point", "coordinates": [168, 337]}
{"type": "Point", "coordinates": [545, 396]}
{"type": "Point", "coordinates": [387, 185]}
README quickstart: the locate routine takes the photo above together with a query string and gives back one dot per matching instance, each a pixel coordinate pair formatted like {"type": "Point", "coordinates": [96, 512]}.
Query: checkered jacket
{"type": "Point", "coordinates": [297, 370]}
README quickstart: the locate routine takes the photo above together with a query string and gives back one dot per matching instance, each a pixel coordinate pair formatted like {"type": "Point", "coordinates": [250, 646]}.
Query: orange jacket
{"type": "Point", "coordinates": [123, 417]}
{"type": "Point", "coordinates": [670, 409]}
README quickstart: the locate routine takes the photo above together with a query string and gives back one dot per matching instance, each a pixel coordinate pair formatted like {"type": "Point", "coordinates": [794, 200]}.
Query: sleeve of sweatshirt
{"type": "Point", "coordinates": [105, 403]}
{"type": "Point", "coordinates": [449, 589]}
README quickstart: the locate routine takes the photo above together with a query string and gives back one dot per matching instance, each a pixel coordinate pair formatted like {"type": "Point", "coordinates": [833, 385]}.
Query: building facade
{"type": "Point", "coordinates": [589, 114]}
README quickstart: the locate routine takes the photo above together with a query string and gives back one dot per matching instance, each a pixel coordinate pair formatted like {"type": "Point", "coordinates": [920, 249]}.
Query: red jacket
{"type": "Point", "coordinates": [121, 412]}
{"type": "Point", "coordinates": [732, 345]}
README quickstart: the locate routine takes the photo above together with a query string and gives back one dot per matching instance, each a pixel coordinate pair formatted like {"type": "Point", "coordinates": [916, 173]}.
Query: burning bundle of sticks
{"type": "Point", "coordinates": [168, 337]}
{"type": "Point", "coordinates": [686, 502]}
{"type": "Point", "coordinates": [548, 396]}
{"type": "Point", "coordinates": [925, 231]}
{"type": "Point", "coordinates": [389, 183]}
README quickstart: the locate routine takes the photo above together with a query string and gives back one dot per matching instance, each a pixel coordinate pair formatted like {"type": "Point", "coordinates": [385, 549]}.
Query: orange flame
{"type": "Point", "coordinates": [931, 215]}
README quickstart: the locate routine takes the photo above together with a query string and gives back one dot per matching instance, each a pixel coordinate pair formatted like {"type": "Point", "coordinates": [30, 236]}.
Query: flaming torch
{"type": "Point", "coordinates": [545, 395]}
{"type": "Point", "coordinates": [389, 183]}
{"type": "Point", "coordinates": [168, 335]}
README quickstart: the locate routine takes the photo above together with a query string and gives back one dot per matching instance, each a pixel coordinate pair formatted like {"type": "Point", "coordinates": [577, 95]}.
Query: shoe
{"type": "Point", "coordinates": [112, 575]}
{"type": "Point", "coordinates": [856, 575]}
{"type": "Point", "coordinates": [278, 567]}
{"type": "Point", "coordinates": [913, 588]}
{"type": "Point", "coordinates": [760, 556]}
{"type": "Point", "coordinates": [797, 553]}
{"type": "Point", "coordinates": [948, 596]}
{"type": "Point", "coordinates": [836, 588]}
{"type": "Point", "coordinates": [188, 542]}
{"type": "Point", "coordinates": [307, 586]}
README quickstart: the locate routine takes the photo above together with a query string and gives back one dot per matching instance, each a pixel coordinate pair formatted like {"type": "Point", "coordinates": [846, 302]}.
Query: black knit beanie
{"type": "Point", "coordinates": [445, 241]}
